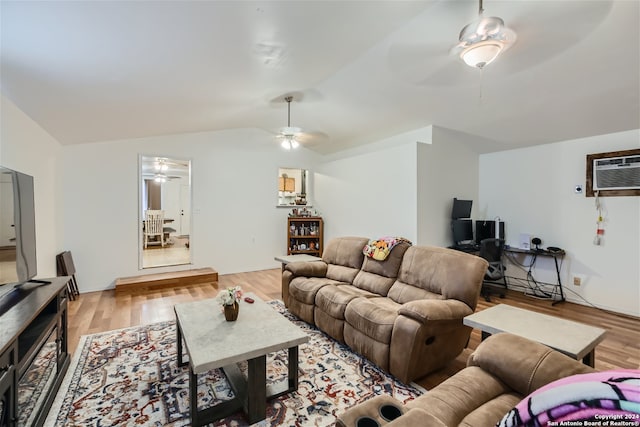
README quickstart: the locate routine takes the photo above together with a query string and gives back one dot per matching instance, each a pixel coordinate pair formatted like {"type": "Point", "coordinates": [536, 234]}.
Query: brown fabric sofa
{"type": "Point", "coordinates": [503, 370]}
{"type": "Point", "coordinates": [404, 313]}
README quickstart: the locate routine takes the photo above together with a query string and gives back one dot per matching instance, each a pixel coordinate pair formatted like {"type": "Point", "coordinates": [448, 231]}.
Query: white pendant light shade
{"type": "Point", "coordinates": [289, 142]}
{"type": "Point", "coordinates": [480, 54]}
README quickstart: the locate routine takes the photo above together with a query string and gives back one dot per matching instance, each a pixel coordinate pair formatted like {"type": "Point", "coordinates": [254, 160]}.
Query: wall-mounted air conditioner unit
{"type": "Point", "coordinates": [617, 173]}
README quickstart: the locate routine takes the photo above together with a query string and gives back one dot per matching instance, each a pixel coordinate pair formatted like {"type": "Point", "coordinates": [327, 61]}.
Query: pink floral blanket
{"type": "Point", "coordinates": [608, 398]}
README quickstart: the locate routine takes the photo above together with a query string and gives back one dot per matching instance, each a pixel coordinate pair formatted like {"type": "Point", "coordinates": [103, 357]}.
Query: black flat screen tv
{"type": "Point", "coordinates": [18, 263]}
{"type": "Point", "coordinates": [462, 231]}
{"type": "Point", "coordinates": [486, 229]}
{"type": "Point", "coordinates": [461, 208]}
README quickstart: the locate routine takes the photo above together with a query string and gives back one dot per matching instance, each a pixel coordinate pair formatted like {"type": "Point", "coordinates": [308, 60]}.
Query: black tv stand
{"type": "Point", "coordinates": [33, 352]}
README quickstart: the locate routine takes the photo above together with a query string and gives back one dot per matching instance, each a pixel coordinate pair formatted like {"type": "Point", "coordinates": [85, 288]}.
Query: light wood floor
{"type": "Point", "coordinates": [102, 311]}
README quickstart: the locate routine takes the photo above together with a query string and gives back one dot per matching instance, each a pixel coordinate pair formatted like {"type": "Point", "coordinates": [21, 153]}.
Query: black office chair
{"type": "Point", "coordinates": [492, 250]}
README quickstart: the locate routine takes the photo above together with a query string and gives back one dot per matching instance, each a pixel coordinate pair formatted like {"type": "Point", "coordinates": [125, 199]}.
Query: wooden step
{"type": "Point", "coordinates": [172, 279]}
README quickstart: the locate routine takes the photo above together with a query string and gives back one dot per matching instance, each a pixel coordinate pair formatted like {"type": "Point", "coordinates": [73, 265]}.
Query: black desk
{"type": "Point", "coordinates": [470, 249]}
{"type": "Point", "coordinates": [546, 253]}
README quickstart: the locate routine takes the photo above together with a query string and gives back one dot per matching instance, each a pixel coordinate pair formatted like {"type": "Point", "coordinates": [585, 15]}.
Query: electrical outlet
{"type": "Point", "coordinates": [577, 280]}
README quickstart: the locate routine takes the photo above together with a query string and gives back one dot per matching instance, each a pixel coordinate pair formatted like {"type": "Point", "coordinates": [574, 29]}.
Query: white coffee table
{"type": "Point", "coordinates": [574, 339]}
{"type": "Point", "coordinates": [212, 342]}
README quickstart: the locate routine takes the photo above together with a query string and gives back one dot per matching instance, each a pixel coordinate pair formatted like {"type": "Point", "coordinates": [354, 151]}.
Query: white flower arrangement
{"type": "Point", "coordinates": [230, 295]}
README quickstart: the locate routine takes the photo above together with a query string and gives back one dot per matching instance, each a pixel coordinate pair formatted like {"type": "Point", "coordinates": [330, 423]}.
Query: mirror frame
{"type": "Point", "coordinates": [141, 159]}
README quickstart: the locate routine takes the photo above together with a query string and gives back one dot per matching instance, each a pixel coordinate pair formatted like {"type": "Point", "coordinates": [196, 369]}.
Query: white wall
{"type": "Point", "coordinates": [236, 225]}
{"type": "Point", "coordinates": [532, 189]}
{"type": "Point", "coordinates": [402, 186]}
{"type": "Point", "coordinates": [27, 148]}
{"type": "Point", "coordinates": [447, 168]}
{"type": "Point", "coordinates": [371, 191]}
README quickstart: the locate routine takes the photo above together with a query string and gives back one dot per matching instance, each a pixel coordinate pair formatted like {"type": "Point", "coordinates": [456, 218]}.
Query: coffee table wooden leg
{"type": "Point", "coordinates": [193, 397]}
{"type": "Point", "coordinates": [179, 342]}
{"type": "Point", "coordinates": [293, 368]}
{"type": "Point", "coordinates": [590, 358]}
{"type": "Point", "coordinates": [256, 404]}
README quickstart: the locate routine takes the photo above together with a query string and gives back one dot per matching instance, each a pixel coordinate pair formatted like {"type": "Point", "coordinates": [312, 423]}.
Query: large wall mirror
{"type": "Point", "coordinates": [165, 211]}
{"type": "Point", "coordinates": [292, 187]}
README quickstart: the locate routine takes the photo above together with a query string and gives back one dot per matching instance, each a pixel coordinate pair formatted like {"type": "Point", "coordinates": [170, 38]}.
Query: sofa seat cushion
{"type": "Point", "coordinates": [403, 292]}
{"type": "Point", "coordinates": [374, 317]}
{"type": "Point", "coordinates": [304, 289]}
{"type": "Point", "coordinates": [491, 412]}
{"type": "Point", "coordinates": [333, 299]}
{"type": "Point", "coordinates": [470, 390]}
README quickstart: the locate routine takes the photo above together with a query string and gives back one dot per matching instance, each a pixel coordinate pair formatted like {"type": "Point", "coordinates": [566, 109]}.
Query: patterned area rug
{"type": "Point", "coordinates": [36, 379]}
{"type": "Point", "coordinates": [130, 377]}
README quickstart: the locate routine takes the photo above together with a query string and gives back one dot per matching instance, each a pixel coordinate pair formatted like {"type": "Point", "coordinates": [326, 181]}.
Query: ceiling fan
{"type": "Point", "coordinates": [288, 134]}
{"type": "Point", "coordinates": [430, 52]}
{"type": "Point", "coordinates": [481, 41]}
{"type": "Point", "coordinates": [162, 169]}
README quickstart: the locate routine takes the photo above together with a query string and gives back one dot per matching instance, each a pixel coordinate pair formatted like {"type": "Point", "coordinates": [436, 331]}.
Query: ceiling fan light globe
{"type": "Point", "coordinates": [480, 54]}
{"type": "Point", "coordinates": [294, 143]}
{"type": "Point", "coordinates": [286, 144]}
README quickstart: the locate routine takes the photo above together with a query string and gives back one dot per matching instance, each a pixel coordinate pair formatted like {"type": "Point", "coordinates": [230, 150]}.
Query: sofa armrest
{"type": "Point", "coordinates": [523, 364]}
{"type": "Point", "coordinates": [372, 410]}
{"type": "Point", "coordinates": [307, 269]}
{"type": "Point", "coordinates": [432, 310]}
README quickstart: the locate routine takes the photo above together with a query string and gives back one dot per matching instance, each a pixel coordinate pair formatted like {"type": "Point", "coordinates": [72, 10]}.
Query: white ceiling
{"type": "Point", "coordinates": [359, 71]}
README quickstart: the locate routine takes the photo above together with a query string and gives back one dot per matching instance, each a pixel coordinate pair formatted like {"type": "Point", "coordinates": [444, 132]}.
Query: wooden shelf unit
{"type": "Point", "coordinates": [305, 235]}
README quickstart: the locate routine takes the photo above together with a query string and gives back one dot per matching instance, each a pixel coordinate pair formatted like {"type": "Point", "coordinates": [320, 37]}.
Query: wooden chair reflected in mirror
{"type": "Point", "coordinates": [154, 227]}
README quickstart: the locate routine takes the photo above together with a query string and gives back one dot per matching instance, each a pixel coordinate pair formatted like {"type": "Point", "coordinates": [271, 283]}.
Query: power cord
{"type": "Point", "coordinates": [534, 286]}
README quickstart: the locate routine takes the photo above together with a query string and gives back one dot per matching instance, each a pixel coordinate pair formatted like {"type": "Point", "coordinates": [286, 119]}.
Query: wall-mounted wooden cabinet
{"type": "Point", "coordinates": [304, 235]}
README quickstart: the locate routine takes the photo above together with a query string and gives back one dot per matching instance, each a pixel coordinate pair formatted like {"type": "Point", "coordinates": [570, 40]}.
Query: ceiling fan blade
{"type": "Point", "coordinates": [306, 95]}
{"type": "Point", "coordinates": [421, 64]}
{"type": "Point", "coordinates": [312, 139]}
{"type": "Point", "coordinates": [290, 131]}
{"type": "Point", "coordinates": [411, 62]}
{"type": "Point", "coordinates": [479, 29]}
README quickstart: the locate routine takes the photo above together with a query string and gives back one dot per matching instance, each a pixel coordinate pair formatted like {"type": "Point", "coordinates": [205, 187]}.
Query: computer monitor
{"type": "Point", "coordinates": [486, 229]}
{"type": "Point", "coordinates": [462, 231]}
{"type": "Point", "coordinates": [461, 208]}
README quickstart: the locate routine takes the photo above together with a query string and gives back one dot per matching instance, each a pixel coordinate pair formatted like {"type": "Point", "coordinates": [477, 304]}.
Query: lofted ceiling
{"type": "Point", "coordinates": [358, 70]}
